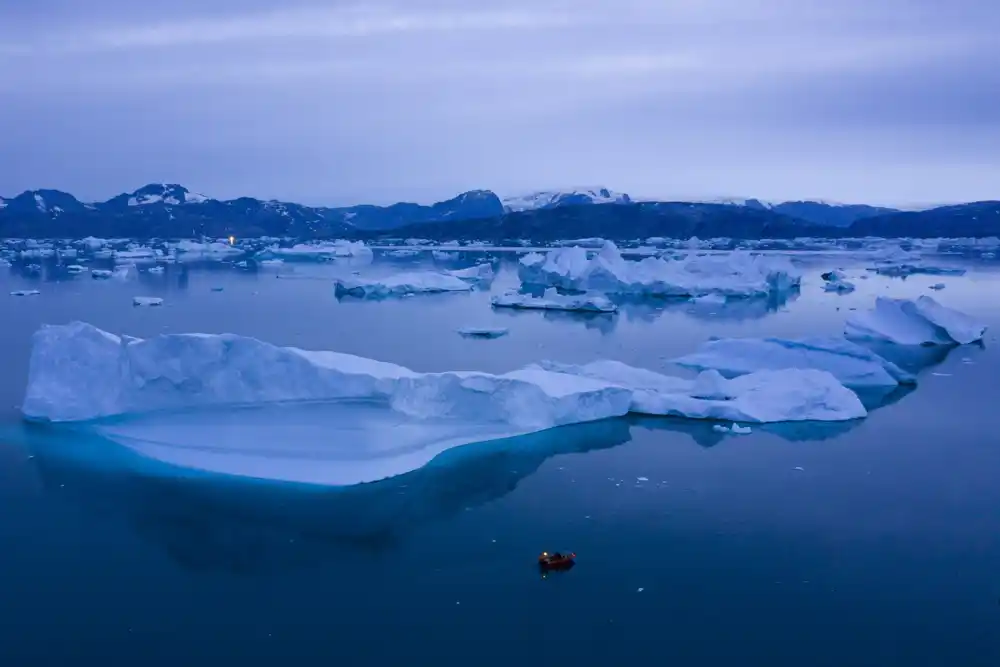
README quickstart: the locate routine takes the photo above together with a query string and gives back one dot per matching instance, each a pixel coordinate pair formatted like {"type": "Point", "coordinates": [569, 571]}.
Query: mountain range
{"type": "Point", "coordinates": [173, 211]}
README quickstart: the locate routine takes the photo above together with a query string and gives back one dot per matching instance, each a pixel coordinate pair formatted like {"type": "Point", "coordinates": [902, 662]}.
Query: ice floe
{"type": "Point", "coordinates": [738, 274]}
{"type": "Point", "coordinates": [921, 321]}
{"type": "Point", "coordinates": [854, 366]}
{"type": "Point", "coordinates": [400, 284]}
{"type": "Point", "coordinates": [552, 300]}
{"type": "Point", "coordinates": [147, 301]}
{"type": "Point", "coordinates": [319, 251]}
{"type": "Point", "coordinates": [25, 292]}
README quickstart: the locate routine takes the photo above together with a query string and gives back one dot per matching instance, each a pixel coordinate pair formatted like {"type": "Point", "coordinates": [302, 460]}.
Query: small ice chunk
{"type": "Point", "coordinates": [710, 299]}
{"type": "Point", "coordinates": [76, 268]}
{"type": "Point", "coordinates": [937, 286]}
{"type": "Point", "coordinates": [741, 430]}
{"type": "Point", "coordinates": [853, 365]}
{"type": "Point", "coordinates": [483, 332]}
{"type": "Point", "coordinates": [719, 428]}
{"type": "Point", "coordinates": [100, 273]}
{"type": "Point", "coordinates": [147, 301]}
{"type": "Point", "coordinates": [25, 292]}
{"type": "Point", "coordinates": [156, 269]}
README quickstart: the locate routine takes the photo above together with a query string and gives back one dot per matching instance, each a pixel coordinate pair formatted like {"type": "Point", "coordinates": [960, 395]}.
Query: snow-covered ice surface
{"type": "Point", "coordinates": [853, 365]}
{"type": "Point", "coordinates": [738, 274]}
{"type": "Point", "coordinates": [401, 284]}
{"type": "Point", "coordinates": [921, 321]}
{"type": "Point", "coordinates": [552, 300]}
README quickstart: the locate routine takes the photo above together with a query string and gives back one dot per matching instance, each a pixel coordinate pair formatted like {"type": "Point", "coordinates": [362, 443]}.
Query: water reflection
{"type": "Point", "coordinates": [213, 523]}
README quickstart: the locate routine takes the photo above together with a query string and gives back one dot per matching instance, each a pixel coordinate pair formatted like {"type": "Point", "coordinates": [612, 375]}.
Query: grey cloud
{"type": "Point", "coordinates": [853, 100]}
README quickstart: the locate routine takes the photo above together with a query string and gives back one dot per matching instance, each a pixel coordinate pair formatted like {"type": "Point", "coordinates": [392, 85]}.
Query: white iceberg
{"type": "Point", "coordinates": [738, 274]}
{"type": "Point", "coordinates": [76, 268]}
{"type": "Point", "coordinates": [25, 292]}
{"type": "Point", "coordinates": [319, 251]}
{"type": "Point", "coordinates": [477, 273]}
{"type": "Point", "coordinates": [147, 301]}
{"type": "Point", "coordinates": [210, 250]}
{"type": "Point", "coordinates": [483, 332]}
{"type": "Point", "coordinates": [709, 300]}
{"type": "Point", "coordinates": [552, 300]}
{"type": "Point", "coordinates": [156, 270]}
{"type": "Point", "coordinates": [401, 284]}
{"type": "Point", "coordinates": [854, 366]}
{"type": "Point", "coordinates": [836, 281]}
{"type": "Point", "coordinates": [236, 405]}
{"type": "Point", "coordinates": [790, 394]}
{"type": "Point", "coordinates": [922, 321]}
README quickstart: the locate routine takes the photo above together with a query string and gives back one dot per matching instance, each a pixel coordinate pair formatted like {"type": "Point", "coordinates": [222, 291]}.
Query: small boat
{"type": "Point", "coordinates": [556, 561]}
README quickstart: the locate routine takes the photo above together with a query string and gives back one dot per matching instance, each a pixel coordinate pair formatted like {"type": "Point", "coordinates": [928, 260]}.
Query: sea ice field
{"type": "Point", "coordinates": [777, 453]}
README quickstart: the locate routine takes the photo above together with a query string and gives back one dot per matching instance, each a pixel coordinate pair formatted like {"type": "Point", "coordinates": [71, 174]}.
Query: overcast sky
{"type": "Point", "coordinates": [881, 101]}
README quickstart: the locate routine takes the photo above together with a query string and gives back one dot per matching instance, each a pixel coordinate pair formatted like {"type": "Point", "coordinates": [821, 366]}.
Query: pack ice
{"type": "Point", "coordinates": [854, 366]}
{"type": "Point", "coordinates": [237, 405]}
{"type": "Point", "coordinates": [922, 321]}
{"type": "Point", "coordinates": [738, 274]}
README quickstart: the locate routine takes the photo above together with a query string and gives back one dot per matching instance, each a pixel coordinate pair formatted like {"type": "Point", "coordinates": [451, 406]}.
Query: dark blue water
{"type": "Point", "coordinates": [883, 549]}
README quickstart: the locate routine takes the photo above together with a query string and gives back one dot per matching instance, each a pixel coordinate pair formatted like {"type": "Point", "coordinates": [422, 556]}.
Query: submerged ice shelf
{"type": "Point", "coordinates": [189, 400]}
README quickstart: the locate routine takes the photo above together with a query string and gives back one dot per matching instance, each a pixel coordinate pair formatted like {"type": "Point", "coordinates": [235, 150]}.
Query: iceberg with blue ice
{"type": "Point", "coordinates": [921, 321]}
{"type": "Point", "coordinates": [236, 405]}
{"type": "Point", "coordinates": [736, 274]}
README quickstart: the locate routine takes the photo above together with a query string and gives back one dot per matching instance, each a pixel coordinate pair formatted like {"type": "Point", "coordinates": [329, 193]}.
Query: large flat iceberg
{"type": "Point", "coordinates": [738, 274]}
{"type": "Point", "coordinates": [237, 405]}
{"type": "Point", "coordinates": [921, 321]}
{"type": "Point", "coordinates": [853, 365]}
{"type": "Point", "coordinates": [401, 284]}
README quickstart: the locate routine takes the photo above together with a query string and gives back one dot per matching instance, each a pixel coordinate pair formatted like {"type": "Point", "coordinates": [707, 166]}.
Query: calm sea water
{"type": "Point", "coordinates": [883, 549]}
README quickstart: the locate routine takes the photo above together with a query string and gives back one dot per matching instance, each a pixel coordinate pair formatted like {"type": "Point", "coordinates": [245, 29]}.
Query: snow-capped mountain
{"type": "Point", "coordinates": [555, 198]}
{"type": "Point", "coordinates": [169, 194]}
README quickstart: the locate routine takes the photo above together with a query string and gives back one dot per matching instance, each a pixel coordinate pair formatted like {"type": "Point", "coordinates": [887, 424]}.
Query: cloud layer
{"type": "Point", "coordinates": [890, 102]}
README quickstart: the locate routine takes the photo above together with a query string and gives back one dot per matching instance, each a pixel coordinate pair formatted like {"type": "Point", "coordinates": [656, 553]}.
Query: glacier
{"type": "Point", "coordinates": [737, 274]}
{"type": "Point", "coordinates": [921, 321]}
{"type": "Point", "coordinates": [236, 405]}
{"type": "Point", "coordinates": [853, 365]}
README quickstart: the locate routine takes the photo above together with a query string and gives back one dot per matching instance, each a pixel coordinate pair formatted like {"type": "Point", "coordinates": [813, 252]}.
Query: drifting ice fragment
{"type": "Point", "coordinates": [147, 301]}
{"type": "Point", "coordinates": [483, 332]}
{"type": "Point", "coordinates": [25, 292]}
